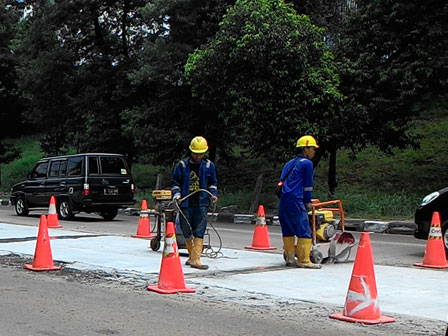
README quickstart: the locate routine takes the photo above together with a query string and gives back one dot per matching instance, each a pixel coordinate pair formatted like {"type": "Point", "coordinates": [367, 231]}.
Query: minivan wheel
{"type": "Point", "coordinates": [21, 206]}
{"type": "Point", "coordinates": [65, 211]}
{"type": "Point", "coordinates": [109, 213]}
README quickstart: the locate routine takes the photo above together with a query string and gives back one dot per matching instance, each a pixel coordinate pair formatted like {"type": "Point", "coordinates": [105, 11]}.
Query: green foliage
{"type": "Point", "coordinates": [264, 68]}
{"type": "Point", "coordinates": [391, 54]}
{"type": "Point", "coordinates": [326, 14]}
{"type": "Point", "coordinates": [11, 105]}
{"type": "Point", "coordinates": [72, 72]}
{"type": "Point", "coordinates": [240, 198]}
{"type": "Point", "coordinates": [365, 202]}
{"type": "Point", "coordinates": [381, 185]}
{"type": "Point", "coordinates": [110, 76]}
{"type": "Point", "coordinates": [145, 176]}
{"type": "Point", "coordinates": [164, 111]}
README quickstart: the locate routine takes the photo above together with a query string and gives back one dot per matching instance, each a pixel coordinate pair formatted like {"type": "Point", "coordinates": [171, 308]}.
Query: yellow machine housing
{"type": "Point", "coordinates": [325, 226]}
{"type": "Point", "coordinates": [162, 195]}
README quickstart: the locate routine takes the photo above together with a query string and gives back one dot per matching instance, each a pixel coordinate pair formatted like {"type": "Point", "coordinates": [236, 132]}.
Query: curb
{"type": "Point", "coordinates": [351, 224]}
{"type": "Point", "coordinates": [5, 202]}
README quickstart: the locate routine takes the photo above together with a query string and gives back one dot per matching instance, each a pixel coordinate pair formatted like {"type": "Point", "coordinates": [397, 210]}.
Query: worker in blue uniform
{"type": "Point", "coordinates": [295, 201]}
{"type": "Point", "coordinates": [191, 174]}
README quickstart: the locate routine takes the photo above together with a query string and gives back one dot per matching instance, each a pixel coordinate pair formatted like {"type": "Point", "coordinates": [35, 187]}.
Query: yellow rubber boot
{"type": "Point", "coordinates": [289, 247]}
{"type": "Point", "coordinates": [195, 258]}
{"type": "Point", "coordinates": [303, 254]}
{"type": "Point", "coordinates": [190, 250]}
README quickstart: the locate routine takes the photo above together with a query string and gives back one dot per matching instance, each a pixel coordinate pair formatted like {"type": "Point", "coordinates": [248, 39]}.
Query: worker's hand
{"type": "Point", "coordinates": [308, 206]}
{"type": "Point", "coordinates": [214, 199]}
{"type": "Point", "coordinates": [176, 197]}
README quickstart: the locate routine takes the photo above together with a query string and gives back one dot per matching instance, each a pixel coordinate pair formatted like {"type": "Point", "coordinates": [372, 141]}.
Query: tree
{"type": "Point", "coordinates": [74, 60]}
{"type": "Point", "coordinates": [324, 13]}
{"type": "Point", "coordinates": [11, 111]}
{"type": "Point", "coordinates": [165, 115]}
{"type": "Point", "coordinates": [269, 74]}
{"type": "Point", "coordinates": [392, 55]}
{"type": "Point", "coordinates": [45, 72]}
{"type": "Point", "coordinates": [11, 108]}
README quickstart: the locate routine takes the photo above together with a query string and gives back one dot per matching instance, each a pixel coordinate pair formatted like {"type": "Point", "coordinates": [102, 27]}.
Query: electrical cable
{"type": "Point", "coordinates": [209, 252]}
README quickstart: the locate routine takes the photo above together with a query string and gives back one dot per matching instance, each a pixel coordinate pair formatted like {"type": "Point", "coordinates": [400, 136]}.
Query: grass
{"type": "Point", "coordinates": [362, 203]}
{"type": "Point", "coordinates": [16, 171]}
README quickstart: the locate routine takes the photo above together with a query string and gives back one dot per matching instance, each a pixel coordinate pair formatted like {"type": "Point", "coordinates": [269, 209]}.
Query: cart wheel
{"type": "Point", "coordinates": [316, 257]}
{"type": "Point", "coordinates": [155, 244]}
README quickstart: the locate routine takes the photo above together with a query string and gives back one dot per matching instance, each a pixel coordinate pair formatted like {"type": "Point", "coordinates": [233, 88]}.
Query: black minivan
{"type": "Point", "coordinates": [92, 182]}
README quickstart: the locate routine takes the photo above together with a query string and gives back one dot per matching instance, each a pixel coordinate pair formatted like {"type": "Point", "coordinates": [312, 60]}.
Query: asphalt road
{"type": "Point", "coordinates": [69, 303]}
{"type": "Point", "coordinates": [388, 249]}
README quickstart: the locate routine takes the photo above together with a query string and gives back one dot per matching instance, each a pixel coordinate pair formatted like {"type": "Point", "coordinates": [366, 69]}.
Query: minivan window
{"type": "Point", "coordinates": [58, 168]}
{"type": "Point", "coordinates": [75, 166]}
{"type": "Point", "coordinates": [93, 165]}
{"type": "Point", "coordinates": [40, 170]}
{"type": "Point", "coordinates": [113, 165]}
{"type": "Point", "coordinates": [54, 169]}
{"type": "Point", "coordinates": [63, 168]}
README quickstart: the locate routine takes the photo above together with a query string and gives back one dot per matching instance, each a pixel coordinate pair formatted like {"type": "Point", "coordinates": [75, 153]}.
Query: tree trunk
{"type": "Point", "coordinates": [257, 192]}
{"type": "Point", "coordinates": [124, 23]}
{"type": "Point", "coordinates": [332, 181]}
{"type": "Point", "coordinates": [159, 181]}
{"type": "Point", "coordinates": [316, 159]}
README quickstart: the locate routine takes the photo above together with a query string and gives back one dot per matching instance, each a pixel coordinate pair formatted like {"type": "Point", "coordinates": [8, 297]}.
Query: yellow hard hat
{"type": "Point", "coordinates": [198, 145]}
{"type": "Point", "coordinates": [307, 141]}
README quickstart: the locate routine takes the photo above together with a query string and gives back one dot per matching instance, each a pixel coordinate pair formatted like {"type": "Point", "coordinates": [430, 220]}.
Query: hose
{"type": "Point", "coordinates": [209, 252]}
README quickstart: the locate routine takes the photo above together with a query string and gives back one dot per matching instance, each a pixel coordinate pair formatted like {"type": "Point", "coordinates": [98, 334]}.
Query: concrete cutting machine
{"type": "Point", "coordinates": [330, 242]}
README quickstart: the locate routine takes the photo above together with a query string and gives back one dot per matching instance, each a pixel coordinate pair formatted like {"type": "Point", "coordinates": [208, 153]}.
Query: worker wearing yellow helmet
{"type": "Point", "coordinates": [191, 174]}
{"type": "Point", "coordinates": [295, 199]}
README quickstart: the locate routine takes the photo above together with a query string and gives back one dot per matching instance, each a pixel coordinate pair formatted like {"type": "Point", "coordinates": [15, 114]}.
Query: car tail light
{"type": "Point", "coordinates": [86, 190]}
{"type": "Point", "coordinates": [132, 188]}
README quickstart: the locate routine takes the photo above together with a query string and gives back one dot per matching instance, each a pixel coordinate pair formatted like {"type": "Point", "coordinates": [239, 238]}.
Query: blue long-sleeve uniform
{"type": "Point", "coordinates": [297, 191]}
{"type": "Point", "coordinates": [180, 182]}
{"type": "Point", "coordinates": [194, 219]}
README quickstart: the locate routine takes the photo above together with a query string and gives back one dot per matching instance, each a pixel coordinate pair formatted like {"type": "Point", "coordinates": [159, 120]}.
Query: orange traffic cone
{"type": "Point", "coordinates": [260, 240]}
{"type": "Point", "coordinates": [143, 229]}
{"type": "Point", "coordinates": [361, 304]}
{"type": "Point", "coordinates": [43, 260]}
{"type": "Point", "coordinates": [435, 256]}
{"type": "Point", "coordinates": [171, 277]}
{"type": "Point", "coordinates": [53, 219]}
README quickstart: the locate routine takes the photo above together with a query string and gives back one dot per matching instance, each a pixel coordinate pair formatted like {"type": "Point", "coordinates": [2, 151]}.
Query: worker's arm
{"type": "Point", "coordinates": [212, 182]}
{"type": "Point", "coordinates": [176, 181]}
{"type": "Point", "coordinates": [307, 182]}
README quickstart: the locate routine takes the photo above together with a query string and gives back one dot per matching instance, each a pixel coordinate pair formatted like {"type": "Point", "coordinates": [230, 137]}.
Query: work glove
{"type": "Point", "coordinates": [176, 197]}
